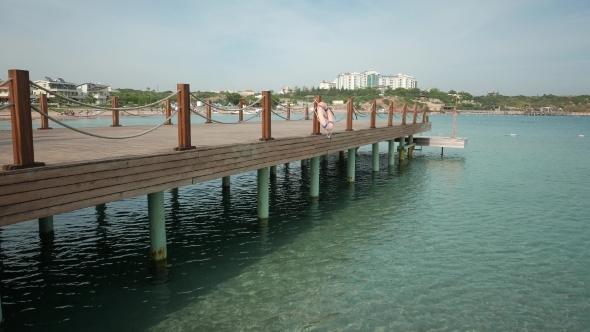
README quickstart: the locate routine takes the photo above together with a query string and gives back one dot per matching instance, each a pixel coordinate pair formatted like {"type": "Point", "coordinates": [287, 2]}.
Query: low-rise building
{"type": "Point", "coordinates": [327, 85]}
{"type": "Point", "coordinates": [100, 92]}
{"type": "Point", "coordinates": [58, 86]}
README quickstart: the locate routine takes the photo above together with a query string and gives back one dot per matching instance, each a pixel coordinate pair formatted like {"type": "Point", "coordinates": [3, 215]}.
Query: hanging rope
{"type": "Point", "coordinates": [6, 106]}
{"type": "Point", "coordinates": [101, 136]}
{"type": "Point", "coordinates": [221, 122]}
{"type": "Point", "coordinates": [225, 109]}
{"type": "Point", "coordinates": [5, 82]}
{"type": "Point", "coordinates": [100, 107]}
{"type": "Point", "coordinates": [143, 116]}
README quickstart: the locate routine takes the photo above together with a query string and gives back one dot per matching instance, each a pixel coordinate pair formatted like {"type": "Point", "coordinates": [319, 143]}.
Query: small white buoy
{"type": "Point", "coordinates": [580, 135]}
{"type": "Point", "coordinates": [512, 134]}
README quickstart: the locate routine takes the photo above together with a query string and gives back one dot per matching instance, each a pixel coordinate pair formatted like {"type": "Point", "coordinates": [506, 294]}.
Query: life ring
{"type": "Point", "coordinates": [325, 116]}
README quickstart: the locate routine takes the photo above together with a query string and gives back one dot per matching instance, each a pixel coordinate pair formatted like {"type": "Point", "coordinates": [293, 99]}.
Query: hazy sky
{"type": "Point", "coordinates": [515, 47]}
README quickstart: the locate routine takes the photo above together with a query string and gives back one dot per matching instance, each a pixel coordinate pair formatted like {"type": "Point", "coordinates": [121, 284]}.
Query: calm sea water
{"type": "Point", "coordinates": [492, 237]}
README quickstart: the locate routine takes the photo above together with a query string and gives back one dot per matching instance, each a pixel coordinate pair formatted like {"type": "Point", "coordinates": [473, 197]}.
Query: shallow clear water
{"type": "Point", "coordinates": [492, 237]}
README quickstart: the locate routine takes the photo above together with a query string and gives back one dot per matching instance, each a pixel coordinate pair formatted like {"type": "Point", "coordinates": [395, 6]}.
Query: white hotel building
{"type": "Point", "coordinates": [371, 78]}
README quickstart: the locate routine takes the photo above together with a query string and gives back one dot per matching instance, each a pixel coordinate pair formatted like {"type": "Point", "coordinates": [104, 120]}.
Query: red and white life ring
{"type": "Point", "coordinates": [325, 116]}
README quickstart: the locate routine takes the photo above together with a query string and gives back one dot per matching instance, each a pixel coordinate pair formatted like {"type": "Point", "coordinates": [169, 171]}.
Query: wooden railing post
{"type": "Point", "coordinates": [21, 121]}
{"type": "Point", "coordinates": [316, 123]}
{"type": "Point", "coordinates": [184, 118]}
{"type": "Point", "coordinates": [373, 114]}
{"type": "Point", "coordinates": [208, 111]}
{"type": "Point", "coordinates": [266, 114]}
{"type": "Point", "coordinates": [115, 114]}
{"type": "Point", "coordinates": [288, 111]}
{"type": "Point", "coordinates": [390, 115]}
{"type": "Point", "coordinates": [168, 111]}
{"type": "Point", "coordinates": [404, 113]}
{"type": "Point", "coordinates": [415, 113]}
{"type": "Point", "coordinates": [241, 110]}
{"type": "Point", "coordinates": [306, 112]}
{"type": "Point", "coordinates": [43, 108]}
{"type": "Point", "coordinates": [424, 117]}
{"type": "Point", "coordinates": [349, 111]}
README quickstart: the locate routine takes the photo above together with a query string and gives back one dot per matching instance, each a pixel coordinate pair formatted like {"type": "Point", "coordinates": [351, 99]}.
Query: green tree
{"type": "Point", "coordinates": [90, 99]}
{"type": "Point", "coordinates": [233, 98]}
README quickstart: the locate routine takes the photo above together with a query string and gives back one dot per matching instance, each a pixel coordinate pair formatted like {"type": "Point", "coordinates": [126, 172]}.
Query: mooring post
{"type": "Point", "coordinates": [316, 123]}
{"type": "Point", "coordinates": [411, 148]}
{"type": "Point", "coordinates": [168, 112]}
{"type": "Point", "coordinates": [43, 108]}
{"type": "Point", "coordinates": [20, 121]}
{"type": "Point", "coordinates": [351, 165]}
{"type": "Point", "coordinates": [157, 226]}
{"type": "Point", "coordinates": [263, 193]}
{"type": "Point", "coordinates": [349, 111]}
{"type": "Point", "coordinates": [314, 181]}
{"type": "Point", "coordinates": [266, 116]}
{"type": "Point", "coordinates": [184, 118]}
{"type": "Point", "coordinates": [404, 114]}
{"type": "Point", "coordinates": [208, 113]}
{"type": "Point", "coordinates": [390, 115]}
{"type": "Point", "coordinates": [226, 181]}
{"type": "Point", "coordinates": [402, 147]}
{"type": "Point", "coordinates": [115, 113]}
{"type": "Point", "coordinates": [288, 111]}
{"type": "Point", "coordinates": [273, 171]}
{"type": "Point", "coordinates": [46, 227]}
{"type": "Point", "coordinates": [373, 114]}
{"type": "Point", "coordinates": [391, 153]}
{"type": "Point", "coordinates": [241, 111]}
{"type": "Point", "coordinates": [375, 154]}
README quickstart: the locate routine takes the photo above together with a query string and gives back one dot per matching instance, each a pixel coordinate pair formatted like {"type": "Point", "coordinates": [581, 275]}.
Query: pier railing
{"type": "Point", "coordinates": [22, 132]}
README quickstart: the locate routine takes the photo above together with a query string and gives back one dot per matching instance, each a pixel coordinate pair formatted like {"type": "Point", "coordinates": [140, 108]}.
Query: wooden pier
{"type": "Point", "coordinates": [52, 171]}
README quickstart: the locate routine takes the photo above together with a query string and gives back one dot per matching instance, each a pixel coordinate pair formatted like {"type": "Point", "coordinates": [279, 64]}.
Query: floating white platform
{"type": "Point", "coordinates": [441, 142]}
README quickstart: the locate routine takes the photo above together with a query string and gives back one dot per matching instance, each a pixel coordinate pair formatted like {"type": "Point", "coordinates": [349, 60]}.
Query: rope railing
{"type": "Point", "coordinates": [5, 82]}
{"type": "Point", "coordinates": [225, 109]}
{"type": "Point", "coordinates": [100, 107]}
{"type": "Point", "coordinates": [143, 116]}
{"type": "Point", "coordinates": [101, 136]}
{"type": "Point", "coordinates": [222, 122]}
{"type": "Point", "coordinates": [8, 105]}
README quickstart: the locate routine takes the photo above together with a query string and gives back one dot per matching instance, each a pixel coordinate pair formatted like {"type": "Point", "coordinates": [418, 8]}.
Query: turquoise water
{"type": "Point", "coordinates": [492, 237]}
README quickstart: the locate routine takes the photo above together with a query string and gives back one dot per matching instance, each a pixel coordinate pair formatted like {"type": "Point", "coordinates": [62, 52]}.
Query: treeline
{"type": "Point", "coordinates": [465, 100]}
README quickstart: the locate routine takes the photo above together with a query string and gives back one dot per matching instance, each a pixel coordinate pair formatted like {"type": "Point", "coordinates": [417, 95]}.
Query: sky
{"type": "Point", "coordinates": [515, 47]}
